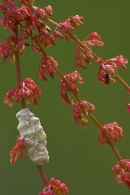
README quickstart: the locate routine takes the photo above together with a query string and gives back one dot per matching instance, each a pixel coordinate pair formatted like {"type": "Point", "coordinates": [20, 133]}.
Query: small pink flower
{"type": "Point", "coordinates": [18, 150]}
{"type": "Point", "coordinates": [27, 90]}
{"type": "Point", "coordinates": [99, 60]}
{"type": "Point", "coordinates": [122, 171]}
{"type": "Point", "coordinates": [94, 35]}
{"type": "Point", "coordinates": [75, 20]}
{"type": "Point", "coordinates": [105, 72]}
{"type": "Point", "coordinates": [109, 69]}
{"type": "Point", "coordinates": [55, 188]}
{"type": "Point", "coordinates": [69, 84]}
{"type": "Point", "coordinates": [64, 26]}
{"type": "Point", "coordinates": [82, 108]}
{"type": "Point", "coordinates": [47, 65]}
{"type": "Point", "coordinates": [70, 23]}
{"type": "Point", "coordinates": [112, 130]}
{"type": "Point", "coordinates": [82, 56]}
{"type": "Point", "coordinates": [44, 13]}
{"type": "Point", "coordinates": [58, 35]}
{"type": "Point", "coordinates": [97, 42]}
{"type": "Point", "coordinates": [128, 107]}
{"type": "Point", "coordinates": [118, 61]}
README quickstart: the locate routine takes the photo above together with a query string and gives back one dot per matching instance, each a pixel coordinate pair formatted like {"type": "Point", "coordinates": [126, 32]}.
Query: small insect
{"type": "Point", "coordinates": [107, 79]}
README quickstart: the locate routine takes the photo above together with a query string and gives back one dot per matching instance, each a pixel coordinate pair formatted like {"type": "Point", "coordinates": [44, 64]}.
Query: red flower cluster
{"type": "Point", "coordinates": [112, 130]}
{"type": "Point", "coordinates": [103, 75]}
{"type": "Point", "coordinates": [47, 65]}
{"type": "Point", "coordinates": [86, 55]}
{"type": "Point", "coordinates": [69, 84]}
{"type": "Point", "coordinates": [18, 150]}
{"type": "Point", "coordinates": [109, 67]}
{"type": "Point", "coordinates": [80, 109]}
{"type": "Point", "coordinates": [44, 36]}
{"type": "Point", "coordinates": [44, 13]}
{"type": "Point", "coordinates": [27, 90]}
{"type": "Point", "coordinates": [14, 16]}
{"type": "Point", "coordinates": [70, 23]}
{"type": "Point", "coordinates": [55, 188]}
{"type": "Point", "coordinates": [122, 171]}
{"type": "Point", "coordinates": [9, 46]}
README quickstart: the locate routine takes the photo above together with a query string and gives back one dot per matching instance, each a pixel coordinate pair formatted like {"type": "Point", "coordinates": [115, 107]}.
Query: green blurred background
{"type": "Point", "coordinates": [76, 157]}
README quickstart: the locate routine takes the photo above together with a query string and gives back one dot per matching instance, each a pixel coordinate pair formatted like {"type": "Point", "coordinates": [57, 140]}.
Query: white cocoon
{"type": "Point", "coordinates": [33, 135]}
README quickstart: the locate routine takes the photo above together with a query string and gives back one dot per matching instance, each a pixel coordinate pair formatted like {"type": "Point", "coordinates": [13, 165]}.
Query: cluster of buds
{"type": "Point", "coordinates": [44, 37]}
{"type": "Point", "coordinates": [112, 131]}
{"type": "Point", "coordinates": [108, 68]}
{"type": "Point", "coordinates": [80, 109]}
{"type": "Point", "coordinates": [47, 65]}
{"type": "Point", "coordinates": [9, 46]}
{"type": "Point", "coordinates": [86, 55]}
{"type": "Point", "coordinates": [43, 13]}
{"type": "Point", "coordinates": [70, 23]}
{"type": "Point", "coordinates": [122, 171]}
{"type": "Point", "coordinates": [104, 77]}
{"type": "Point", "coordinates": [68, 83]}
{"type": "Point", "coordinates": [18, 150]}
{"type": "Point", "coordinates": [27, 90]}
{"type": "Point", "coordinates": [55, 188]}
{"type": "Point", "coordinates": [12, 15]}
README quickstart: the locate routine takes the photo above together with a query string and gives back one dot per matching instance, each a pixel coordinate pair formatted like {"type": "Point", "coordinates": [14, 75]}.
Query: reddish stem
{"type": "Point", "coordinates": [123, 82]}
{"type": "Point", "coordinates": [43, 176]}
{"type": "Point", "coordinates": [18, 71]}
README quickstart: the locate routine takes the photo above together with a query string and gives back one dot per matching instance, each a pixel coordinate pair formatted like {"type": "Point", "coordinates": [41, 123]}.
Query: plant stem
{"type": "Point", "coordinates": [43, 176]}
{"type": "Point", "coordinates": [18, 71]}
{"type": "Point", "coordinates": [123, 82]}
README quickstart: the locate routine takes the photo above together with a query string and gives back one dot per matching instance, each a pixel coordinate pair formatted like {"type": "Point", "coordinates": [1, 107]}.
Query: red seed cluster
{"type": "Point", "coordinates": [69, 84]}
{"type": "Point", "coordinates": [110, 67]}
{"type": "Point", "coordinates": [112, 130]}
{"type": "Point", "coordinates": [122, 171]}
{"type": "Point", "coordinates": [47, 65]}
{"type": "Point", "coordinates": [18, 150]}
{"type": "Point", "coordinates": [8, 48]}
{"type": "Point", "coordinates": [82, 55]}
{"type": "Point", "coordinates": [58, 187]}
{"type": "Point", "coordinates": [105, 72]}
{"type": "Point", "coordinates": [80, 109]}
{"type": "Point", "coordinates": [70, 23]}
{"type": "Point", "coordinates": [55, 188]}
{"type": "Point", "coordinates": [27, 90]}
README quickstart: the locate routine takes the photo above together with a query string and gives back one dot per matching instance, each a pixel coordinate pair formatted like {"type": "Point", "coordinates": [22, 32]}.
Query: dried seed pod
{"type": "Point", "coordinates": [33, 135]}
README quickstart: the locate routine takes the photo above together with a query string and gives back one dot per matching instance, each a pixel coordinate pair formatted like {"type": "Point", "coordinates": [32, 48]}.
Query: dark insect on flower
{"type": "Point", "coordinates": [107, 79]}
